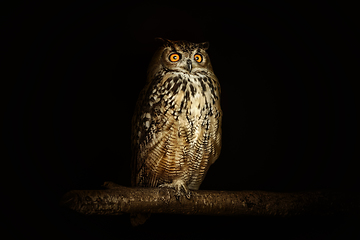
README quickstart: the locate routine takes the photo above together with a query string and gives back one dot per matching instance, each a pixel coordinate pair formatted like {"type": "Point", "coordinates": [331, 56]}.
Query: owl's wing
{"type": "Point", "coordinates": [149, 124]}
{"type": "Point", "coordinates": [154, 129]}
{"type": "Point", "coordinates": [136, 135]}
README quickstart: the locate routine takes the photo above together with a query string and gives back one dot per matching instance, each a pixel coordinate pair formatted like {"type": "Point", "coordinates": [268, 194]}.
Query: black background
{"type": "Point", "coordinates": [288, 76]}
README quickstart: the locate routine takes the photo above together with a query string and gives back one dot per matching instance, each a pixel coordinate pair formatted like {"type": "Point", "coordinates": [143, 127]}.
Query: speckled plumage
{"type": "Point", "coordinates": [176, 127]}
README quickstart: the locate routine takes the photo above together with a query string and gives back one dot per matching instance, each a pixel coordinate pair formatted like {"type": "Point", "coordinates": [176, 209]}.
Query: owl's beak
{"type": "Point", "coordinates": [189, 65]}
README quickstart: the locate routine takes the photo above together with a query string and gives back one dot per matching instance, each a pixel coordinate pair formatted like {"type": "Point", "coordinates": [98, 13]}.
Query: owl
{"type": "Point", "coordinates": [176, 127]}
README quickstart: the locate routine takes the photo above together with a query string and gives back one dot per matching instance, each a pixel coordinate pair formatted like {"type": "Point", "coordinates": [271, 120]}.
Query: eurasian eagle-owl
{"type": "Point", "coordinates": [176, 127]}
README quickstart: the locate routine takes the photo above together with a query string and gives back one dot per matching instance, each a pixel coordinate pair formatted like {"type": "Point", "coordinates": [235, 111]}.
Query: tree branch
{"type": "Point", "coordinates": [117, 200]}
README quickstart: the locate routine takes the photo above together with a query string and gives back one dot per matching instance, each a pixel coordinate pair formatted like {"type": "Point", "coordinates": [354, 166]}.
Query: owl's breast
{"type": "Point", "coordinates": [183, 97]}
{"type": "Point", "coordinates": [193, 95]}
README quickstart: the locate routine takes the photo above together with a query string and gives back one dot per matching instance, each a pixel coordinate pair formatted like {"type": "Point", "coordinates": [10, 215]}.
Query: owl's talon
{"type": "Point", "coordinates": [179, 187]}
{"type": "Point", "coordinates": [188, 195]}
{"type": "Point", "coordinates": [177, 196]}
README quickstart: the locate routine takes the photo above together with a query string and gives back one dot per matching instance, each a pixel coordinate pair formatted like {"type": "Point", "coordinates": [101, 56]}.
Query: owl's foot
{"type": "Point", "coordinates": [180, 188]}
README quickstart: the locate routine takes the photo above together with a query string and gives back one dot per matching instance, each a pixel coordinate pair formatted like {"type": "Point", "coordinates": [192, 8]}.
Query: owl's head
{"type": "Point", "coordinates": [180, 56]}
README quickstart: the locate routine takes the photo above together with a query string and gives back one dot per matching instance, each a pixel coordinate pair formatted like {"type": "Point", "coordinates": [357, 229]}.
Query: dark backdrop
{"type": "Point", "coordinates": [288, 75]}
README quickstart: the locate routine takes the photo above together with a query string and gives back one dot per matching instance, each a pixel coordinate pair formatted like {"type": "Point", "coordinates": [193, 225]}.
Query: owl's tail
{"type": "Point", "coordinates": [137, 219]}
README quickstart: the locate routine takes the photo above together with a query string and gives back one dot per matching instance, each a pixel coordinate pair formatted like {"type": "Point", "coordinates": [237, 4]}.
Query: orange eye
{"type": "Point", "coordinates": [174, 57]}
{"type": "Point", "coordinates": [198, 58]}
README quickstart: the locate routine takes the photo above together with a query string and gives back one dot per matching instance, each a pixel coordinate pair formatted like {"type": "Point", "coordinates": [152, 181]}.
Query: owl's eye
{"type": "Point", "coordinates": [198, 58]}
{"type": "Point", "coordinates": [174, 57]}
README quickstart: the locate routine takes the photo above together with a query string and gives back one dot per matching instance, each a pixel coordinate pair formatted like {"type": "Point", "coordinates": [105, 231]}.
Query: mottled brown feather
{"type": "Point", "coordinates": [176, 128]}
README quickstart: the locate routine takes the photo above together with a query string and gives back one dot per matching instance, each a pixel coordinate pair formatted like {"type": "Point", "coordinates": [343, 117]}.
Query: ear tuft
{"type": "Point", "coordinates": [159, 39]}
{"type": "Point", "coordinates": [205, 45]}
{"type": "Point", "coordinates": [164, 41]}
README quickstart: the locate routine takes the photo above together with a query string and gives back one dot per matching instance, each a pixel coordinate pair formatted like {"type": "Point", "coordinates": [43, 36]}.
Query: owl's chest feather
{"type": "Point", "coordinates": [185, 94]}
{"type": "Point", "coordinates": [185, 100]}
